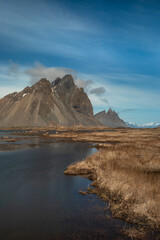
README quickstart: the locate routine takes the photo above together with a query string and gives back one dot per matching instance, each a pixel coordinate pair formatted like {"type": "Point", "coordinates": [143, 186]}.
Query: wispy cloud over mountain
{"type": "Point", "coordinates": [40, 71]}
{"type": "Point", "coordinates": [98, 91]}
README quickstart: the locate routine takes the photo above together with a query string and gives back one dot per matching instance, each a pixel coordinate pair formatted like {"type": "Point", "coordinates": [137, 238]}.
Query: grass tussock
{"type": "Point", "coordinates": [128, 175]}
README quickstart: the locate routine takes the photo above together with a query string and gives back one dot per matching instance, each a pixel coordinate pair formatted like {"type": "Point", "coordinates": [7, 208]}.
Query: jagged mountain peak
{"type": "Point", "coordinates": [110, 119]}
{"type": "Point", "coordinates": [102, 112]}
{"type": "Point", "coordinates": [110, 110]}
{"type": "Point", "coordinates": [56, 81]}
{"type": "Point", "coordinates": [65, 85]}
{"type": "Point", "coordinates": [70, 94]}
{"type": "Point", "coordinates": [46, 103]}
{"type": "Point", "coordinates": [67, 80]}
{"type": "Point", "coordinates": [42, 81]}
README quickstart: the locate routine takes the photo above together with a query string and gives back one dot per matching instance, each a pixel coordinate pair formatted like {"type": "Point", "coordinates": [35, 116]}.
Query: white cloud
{"type": "Point", "coordinates": [39, 71]}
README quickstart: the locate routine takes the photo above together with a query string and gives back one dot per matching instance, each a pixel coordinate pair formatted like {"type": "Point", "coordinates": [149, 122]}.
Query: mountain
{"type": "Point", "coordinates": [110, 119]}
{"type": "Point", "coordinates": [146, 125]}
{"type": "Point", "coordinates": [47, 104]}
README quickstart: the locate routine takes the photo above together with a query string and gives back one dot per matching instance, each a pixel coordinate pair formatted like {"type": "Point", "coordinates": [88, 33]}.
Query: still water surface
{"type": "Point", "coordinates": [37, 201]}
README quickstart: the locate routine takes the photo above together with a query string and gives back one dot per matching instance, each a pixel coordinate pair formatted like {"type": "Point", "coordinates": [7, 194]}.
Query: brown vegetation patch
{"type": "Point", "coordinates": [127, 174]}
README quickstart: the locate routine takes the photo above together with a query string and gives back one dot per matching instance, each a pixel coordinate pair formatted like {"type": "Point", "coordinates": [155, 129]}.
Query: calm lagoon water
{"type": "Point", "coordinates": [37, 201]}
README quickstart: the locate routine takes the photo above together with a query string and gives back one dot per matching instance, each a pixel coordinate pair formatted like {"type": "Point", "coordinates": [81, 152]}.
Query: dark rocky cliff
{"type": "Point", "coordinates": [72, 95]}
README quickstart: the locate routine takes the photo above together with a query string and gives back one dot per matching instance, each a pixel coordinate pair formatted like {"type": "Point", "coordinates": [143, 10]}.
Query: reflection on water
{"type": "Point", "coordinates": [37, 201]}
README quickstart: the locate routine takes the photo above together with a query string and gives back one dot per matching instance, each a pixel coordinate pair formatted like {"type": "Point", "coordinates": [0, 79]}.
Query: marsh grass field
{"type": "Point", "coordinates": [125, 171]}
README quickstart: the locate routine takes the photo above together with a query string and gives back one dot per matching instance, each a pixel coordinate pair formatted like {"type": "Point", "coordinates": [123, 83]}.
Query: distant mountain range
{"type": "Point", "coordinates": [146, 125]}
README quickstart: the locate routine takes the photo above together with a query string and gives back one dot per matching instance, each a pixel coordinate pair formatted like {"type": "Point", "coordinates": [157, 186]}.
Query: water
{"type": "Point", "coordinates": [37, 201]}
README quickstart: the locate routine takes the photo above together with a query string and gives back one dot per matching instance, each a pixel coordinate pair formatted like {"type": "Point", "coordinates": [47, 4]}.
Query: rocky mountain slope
{"type": "Point", "coordinates": [48, 104]}
{"type": "Point", "coordinates": [110, 119]}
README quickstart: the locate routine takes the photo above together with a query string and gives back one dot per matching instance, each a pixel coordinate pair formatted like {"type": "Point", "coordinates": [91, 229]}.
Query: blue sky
{"type": "Point", "coordinates": [111, 47]}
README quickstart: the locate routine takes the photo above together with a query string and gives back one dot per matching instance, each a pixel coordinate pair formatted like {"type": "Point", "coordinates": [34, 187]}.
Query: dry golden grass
{"type": "Point", "coordinates": [127, 174]}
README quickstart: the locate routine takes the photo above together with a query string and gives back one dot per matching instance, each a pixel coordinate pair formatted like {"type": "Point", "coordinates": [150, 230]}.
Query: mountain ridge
{"type": "Point", "coordinates": [110, 119]}
{"type": "Point", "coordinates": [47, 104]}
{"type": "Point", "coordinates": [145, 125]}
